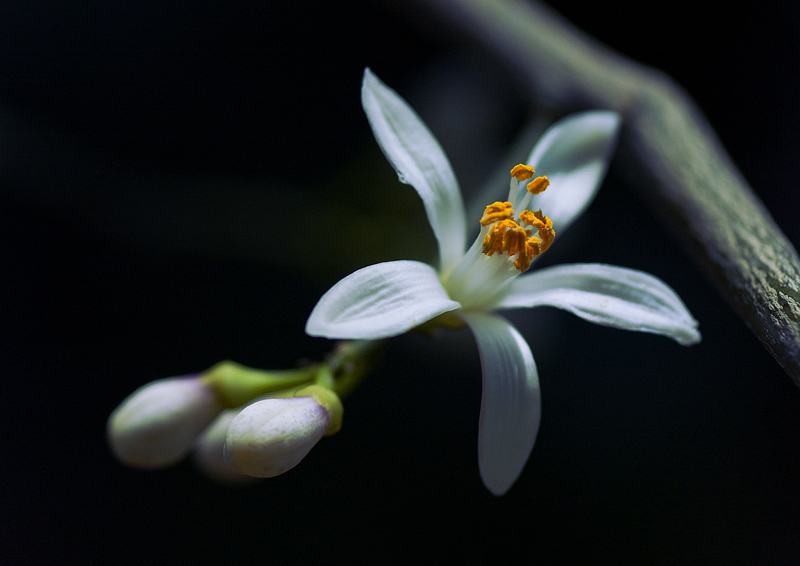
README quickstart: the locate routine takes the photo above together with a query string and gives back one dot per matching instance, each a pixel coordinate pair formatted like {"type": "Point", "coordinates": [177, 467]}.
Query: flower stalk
{"type": "Point", "coordinates": [351, 361]}
{"type": "Point", "coordinates": [236, 385]}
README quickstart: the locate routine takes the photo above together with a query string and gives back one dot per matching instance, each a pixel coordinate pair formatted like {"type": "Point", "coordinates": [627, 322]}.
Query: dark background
{"type": "Point", "coordinates": [179, 183]}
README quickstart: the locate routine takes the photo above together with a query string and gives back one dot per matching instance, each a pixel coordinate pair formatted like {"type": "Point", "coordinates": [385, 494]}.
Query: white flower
{"type": "Point", "coordinates": [156, 425]}
{"type": "Point", "coordinates": [390, 298]}
{"type": "Point", "coordinates": [271, 437]}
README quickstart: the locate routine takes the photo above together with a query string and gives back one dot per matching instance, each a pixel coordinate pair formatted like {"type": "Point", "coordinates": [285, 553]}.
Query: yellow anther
{"type": "Point", "coordinates": [523, 262]}
{"type": "Point", "coordinates": [494, 242]}
{"type": "Point", "coordinates": [508, 236]}
{"type": "Point", "coordinates": [545, 227]}
{"type": "Point", "coordinates": [497, 212]}
{"type": "Point", "coordinates": [514, 240]}
{"type": "Point", "coordinates": [532, 250]}
{"type": "Point", "coordinates": [522, 172]}
{"type": "Point", "coordinates": [538, 185]}
{"type": "Point", "coordinates": [534, 246]}
{"type": "Point", "coordinates": [537, 220]}
{"type": "Point", "coordinates": [528, 217]}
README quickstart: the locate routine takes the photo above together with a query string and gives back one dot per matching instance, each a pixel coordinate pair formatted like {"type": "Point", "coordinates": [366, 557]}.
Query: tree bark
{"type": "Point", "coordinates": [671, 151]}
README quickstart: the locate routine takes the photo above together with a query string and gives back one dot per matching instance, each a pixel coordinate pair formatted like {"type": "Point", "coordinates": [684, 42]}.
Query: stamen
{"type": "Point", "coordinates": [497, 212]}
{"type": "Point", "coordinates": [495, 241]}
{"type": "Point", "coordinates": [522, 172]}
{"type": "Point", "coordinates": [543, 225]}
{"type": "Point", "coordinates": [513, 189]}
{"type": "Point", "coordinates": [514, 240]}
{"type": "Point", "coordinates": [528, 218]}
{"type": "Point", "coordinates": [532, 250]}
{"type": "Point", "coordinates": [538, 185]}
{"type": "Point", "coordinates": [504, 234]}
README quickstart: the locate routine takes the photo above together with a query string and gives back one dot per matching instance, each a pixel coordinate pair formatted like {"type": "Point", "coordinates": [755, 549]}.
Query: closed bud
{"type": "Point", "coordinates": [208, 450]}
{"type": "Point", "coordinates": [270, 437]}
{"type": "Point", "coordinates": [158, 423]}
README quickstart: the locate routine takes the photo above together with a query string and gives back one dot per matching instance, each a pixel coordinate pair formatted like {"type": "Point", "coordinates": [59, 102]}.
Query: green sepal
{"type": "Point", "coordinates": [330, 402]}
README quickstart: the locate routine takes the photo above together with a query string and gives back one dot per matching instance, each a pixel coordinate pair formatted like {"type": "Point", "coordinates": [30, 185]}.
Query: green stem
{"type": "Point", "coordinates": [351, 361]}
{"type": "Point", "coordinates": [235, 384]}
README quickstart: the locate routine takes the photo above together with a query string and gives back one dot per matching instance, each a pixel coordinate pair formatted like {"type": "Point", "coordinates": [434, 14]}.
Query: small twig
{"type": "Point", "coordinates": [669, 147]}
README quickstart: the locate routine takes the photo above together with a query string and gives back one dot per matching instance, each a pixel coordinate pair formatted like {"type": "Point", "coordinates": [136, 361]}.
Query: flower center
{"type": "Point", "coordinates": [505, 247]}
{"type": "Point", "coordinates": [507, 235]}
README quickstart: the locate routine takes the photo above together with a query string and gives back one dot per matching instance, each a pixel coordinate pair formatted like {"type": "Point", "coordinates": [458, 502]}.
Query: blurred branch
{"type": "Point", "coordinates": [668, 147]}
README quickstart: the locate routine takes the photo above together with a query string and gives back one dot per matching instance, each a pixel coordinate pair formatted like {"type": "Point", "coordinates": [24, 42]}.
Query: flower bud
{"type": "Point", "coordinates": [158, 423]}
{"type": "Point", "coordinates": [270, 437]}
{"type": "Point", "coordinates": [208, 450]}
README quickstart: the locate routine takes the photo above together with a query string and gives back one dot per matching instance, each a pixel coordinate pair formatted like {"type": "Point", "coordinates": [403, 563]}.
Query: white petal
{"type": "Point", "coordinates": [382, 300]}
{"type": "Point", "coordinates": [608, 295]}
{"type": "Point", "coordinates": [420, 162]}
{"type": "Point", "coordinates": [511, 405]}
{"type": "Point", "coordinates": [574, 154]}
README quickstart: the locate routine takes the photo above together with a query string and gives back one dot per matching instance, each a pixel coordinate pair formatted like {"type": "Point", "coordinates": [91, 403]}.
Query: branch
{"type": "Point", "coordinates": [689, 179]}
